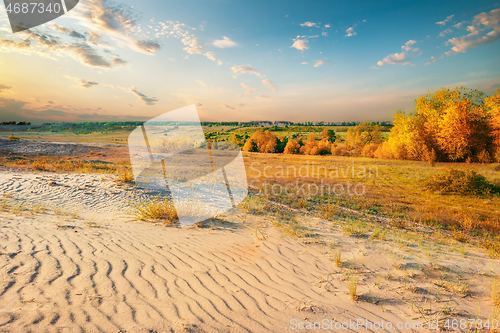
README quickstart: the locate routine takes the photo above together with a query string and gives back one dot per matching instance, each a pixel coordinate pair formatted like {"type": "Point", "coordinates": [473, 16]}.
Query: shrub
{"type": "Point", "coordinates": [369, 150]}
{"type": "Point", "coordinates": [126, 176]}
{"type": "Point", "coordinates": [461, 182]}
{"type": "Point", "coordinates": [155, 209]}
{"type": "Point", "coordinates": [12, 138]}
{"type": "Point", "coordinates": [41, 165]}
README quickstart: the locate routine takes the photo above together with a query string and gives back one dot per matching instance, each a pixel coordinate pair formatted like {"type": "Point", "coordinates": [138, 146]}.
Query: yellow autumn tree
{"type": "Point", "coordinates": [447, 125]}
{"type": "Point", "coordinates": [292, 147]}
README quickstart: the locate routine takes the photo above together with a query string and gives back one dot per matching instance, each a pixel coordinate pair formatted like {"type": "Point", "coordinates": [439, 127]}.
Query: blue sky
{"type": "Point", "coordinates": [246, 60]}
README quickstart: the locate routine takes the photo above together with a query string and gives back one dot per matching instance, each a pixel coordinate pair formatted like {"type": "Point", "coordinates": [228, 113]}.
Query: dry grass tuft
{"type": "Point", "coordinates": [125, 176]}
{"type": "Point", "coordinates": [495, 292]}
{"type": "Point", "coordinates": [12, 138]}
{"type": "Point", "coordinates": [155, 209]}
{"type": "Point", "coordinates": [352, 286]}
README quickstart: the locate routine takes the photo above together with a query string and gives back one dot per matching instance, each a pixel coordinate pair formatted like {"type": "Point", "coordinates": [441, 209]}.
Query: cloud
{"type": "Point", "coordinates": [401, 57]}
{"type": "Point", "coordinates": [269, 84]}
{"type": "Point", "coordinates": [485, 29]}
{"type": "Point", "coordinates": [447, 20]}
{"type": "Point", "coordinates": [118, 62]}
{"type": "Point", "coordinates": [145, 99]}
{"type": "Point", "coordinates": [324, 33]}
{"type": "Point", "coordinates": [16, 110]}
{"type": "Point", "coordinates": [83, 83]}
{"type": "Point", "coordinates": [350, 31]}
{"type": "Point", "coordinates": [300, 44]}
{"type": "Point", "coordinates": [49, 46]}
{"type": "Point", "coordinates": [309, 24]}
{"type": "Point", "coordinates": [227, 106]}
{"type": "Point", "coordinates": [95, 38]}
{"type": "Point", "coordinates": [146, 46]}
{"type": "Point", "coordinates": [192, 45]}
{"type": "Point", "coordinates": [245, 69]}
{"type": "Point", "coordinates": [4, 87]}
{"type": "Point", "coordinates": [202, 83]}
{"type": "Point", "coordinates": [237, 70]}
{"type": "Point", "coordinates": [443, 33]}
{"type": "Point", "coordinates": [407, 46]}
{"type": "Point", "coordinates": [262, 97]}
{"type": "Point", "coordinates": [319, 63]}
{"type": "Point", "coordinates": [199, 104]}
{"type": "Point", "coordinates": [432, 60]}
{"type": "Point", "coordinates": [210, 55]}
{"type": "Point", "coordinates": [88, 56]}
{"type": "Point", "coordinates": [224, 43]}
{"type": "Point", "coordinates": [69, 32]}
{"type": "Point", "coordinates": [248, 90]}
{"type": "Point", "coordinates": [115, 20]}
{"type": "Point", "coordinates": [304, 63]}
{"type": "Point", "coordinates": [327, 25]}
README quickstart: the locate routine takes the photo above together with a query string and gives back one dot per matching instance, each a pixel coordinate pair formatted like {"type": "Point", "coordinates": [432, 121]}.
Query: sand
{"type": "Point", "coordinates": [86, 266]}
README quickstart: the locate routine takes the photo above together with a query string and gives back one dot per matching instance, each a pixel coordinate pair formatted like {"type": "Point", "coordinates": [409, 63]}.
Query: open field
{"type": "Point", "coordinates": [73, 255]}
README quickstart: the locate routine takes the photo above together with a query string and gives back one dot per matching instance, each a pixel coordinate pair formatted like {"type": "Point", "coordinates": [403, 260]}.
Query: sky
{"type": "Point", "coordinates": [240, 60]}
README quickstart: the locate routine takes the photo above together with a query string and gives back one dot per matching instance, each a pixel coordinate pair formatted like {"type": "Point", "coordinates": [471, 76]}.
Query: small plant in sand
{"type": "Point", "coordinates": [337, 258]}
{"type": "Point", "coordinates": [352, 286]}
{"type": "Point", "coordinates": [258, 231]}
{"type": "Point", "coordinates": [495, 292]}
{"type": "Point", "coordinates": [42, 165]}
{"type": "Point", "coordinates": [125, 176]}
{"type": "Point", "coordinates": [12, 138]}
{"type": "Point", "coordinates": [37, 209]}
{"type": "Point", "coordinates": [154, 209]}
{"type": "Point", "coordinates": [4, 206]}
{"type": "Point", "coordinates": [328, 211]}
{"type": "Point", "coordinates": [17, 209]}
{"type": "Point", "coordinates": [92, 224]}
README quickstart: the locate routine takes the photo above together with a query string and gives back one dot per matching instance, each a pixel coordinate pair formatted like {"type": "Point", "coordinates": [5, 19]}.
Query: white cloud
{"type": "Point", "coordinates": [327, 26]}
{"type": "Point", "coordinates": [401, 57]}
{"type": "Point", "coordinates": [245, 69]}
{"type": "Point", "coordinates": [192, 45]}
{"type": "Point", "coordinates": [433, 59]}
{"type": "Point", "coordinates": [319, 63]}
{"type": "Point", "coordinates": [237, 70]}
{"type": "Point", "coordinates": [487, 23]}
{"type": "Point", "coordinates": [350, 31]}
{"type": "Point", "coordinates": [300, 44]}
{"type": "Point", "coordinates": [210, 55]}
{"type": "Point", "coordinates": [444, 21]}
{"type": "Point", "coordinates": [445, 32]}
{"type": "Point", "coordinates": [269, 84]}
{"type": "Point", "coordinates": [407, 46]}
{"type": "Point", "coordinates": [304, 63]}
{"type": "Point", "coordinates": [324, 33]}
{"type": "Point", "coordinates": [309, 24]}
{"type": "Point", "coordinates": [202, 83]}
{"type": "Point", "coordinates": [224, 43]}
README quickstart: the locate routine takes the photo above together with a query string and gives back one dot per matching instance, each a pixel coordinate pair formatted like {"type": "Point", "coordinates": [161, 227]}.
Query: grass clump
{"type": "Point", "coordinates": [126, 176]}
{"type": "Point", "coordinates": [467, 182]}
{"type": "Point", "coordinates": [155, 209]}
{"type": "Point", "coordinates": [12, 138]}
{"type": "Point", "coordinates": [495, 292]}
{"type": "Point", "coordinates": [352, 286]}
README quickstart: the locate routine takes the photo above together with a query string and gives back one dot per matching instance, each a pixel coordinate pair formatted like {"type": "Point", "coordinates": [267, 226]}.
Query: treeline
{"type": "Point", "coordinates": [460, 125]}
{"type": "Point", "coordinates": [21, 123]}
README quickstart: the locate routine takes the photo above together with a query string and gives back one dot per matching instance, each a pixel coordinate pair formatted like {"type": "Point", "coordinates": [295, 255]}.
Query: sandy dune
{"type": "Point", "coordinates": [100, 272]}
